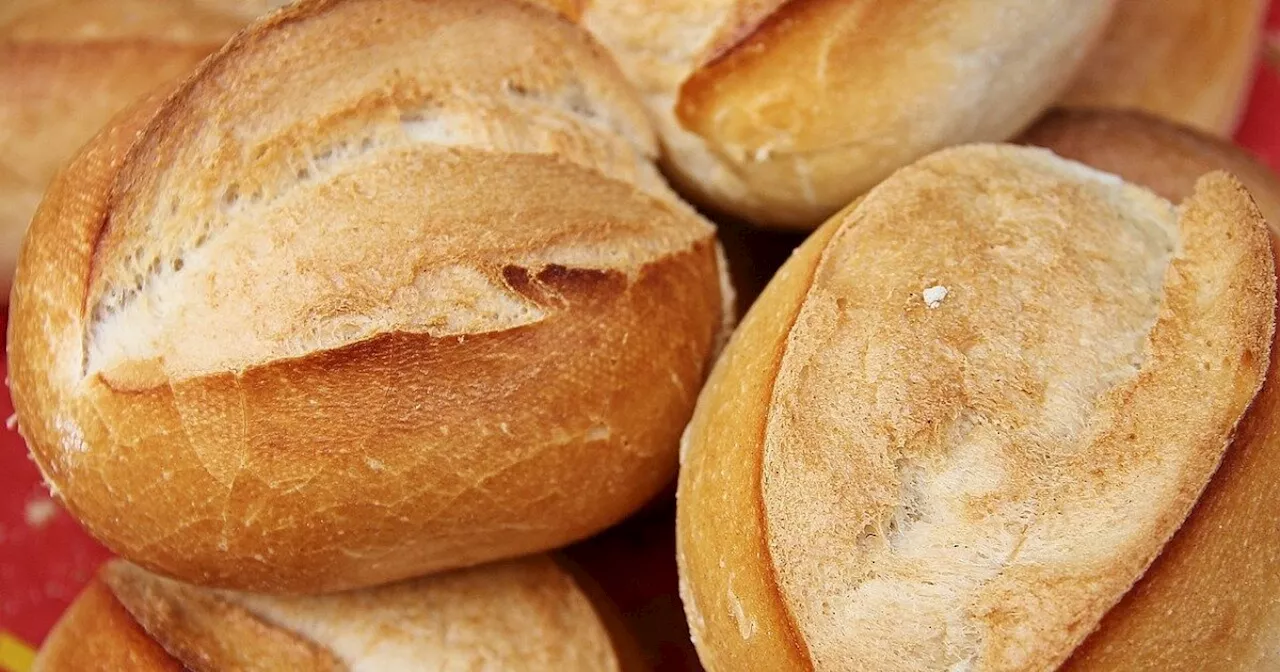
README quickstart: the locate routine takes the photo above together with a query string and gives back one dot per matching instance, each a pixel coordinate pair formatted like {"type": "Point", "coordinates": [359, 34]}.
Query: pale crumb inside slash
{"type": "Point", "coordinates": [934, 295]}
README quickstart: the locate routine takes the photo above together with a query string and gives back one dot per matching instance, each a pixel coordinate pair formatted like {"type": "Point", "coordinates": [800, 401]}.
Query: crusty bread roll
{"type": "Point", "coordinates": [67, 66]}
{"type": "Point", "coordinates": [1191, 61]}
{"type": "Point", "coordinates": [526, 614]}
{"type": "Point", "coordinates": [781, 112]}
{"type": "Point", "coordinates": [1212, 598]}
{"type": "Point", "coordinates": [365, 298]}
{"type": "Point", "coordinates": [969, 412]}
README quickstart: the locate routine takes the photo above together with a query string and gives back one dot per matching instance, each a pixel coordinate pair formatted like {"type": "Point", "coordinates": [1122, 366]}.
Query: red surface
{"type": "Point", "coordinates": [44, 563]}
{"type": "Point", "coordinates": [1260, 130]}
{"type": "Point", "coordinates": [45, 558]}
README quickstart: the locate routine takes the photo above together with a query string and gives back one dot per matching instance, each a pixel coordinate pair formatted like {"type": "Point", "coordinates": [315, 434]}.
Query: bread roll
{"type": "Point", "coordinates": [1191, 61]}
{"type": "Point", "coordinates": [781, 112]}
{"type": "Point", "coordinates": [967, 415]}
{"type": "Point", "coordinates": [1212, 598]}
{"type": "Point", "coordinates": [365, 298]}
{"type": "Point", "coordinates": [526, 614]}
{"type": "Point", "coordinates": [67, 66]}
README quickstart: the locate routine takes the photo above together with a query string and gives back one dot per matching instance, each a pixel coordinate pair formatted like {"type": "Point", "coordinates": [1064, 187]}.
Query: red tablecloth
{"type": "Point", "coordinates": [45, 558]}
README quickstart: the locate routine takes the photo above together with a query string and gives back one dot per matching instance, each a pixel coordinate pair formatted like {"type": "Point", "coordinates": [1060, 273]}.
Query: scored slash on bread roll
{"type": "Point", "coordinates": [67, 66]}
{"type": "Point", "coordinates": [967, 415]}
{"type": "Point", "coordinates": [781, 112]}
{"type": "Point", "coordinates": [365, 298]}
{"type": "Point", "coordinates": [526, 614]}
{"type": "Point", "coordinates": [1191, 61]}
{"type": "Point", "coordinates": [1212, 598]}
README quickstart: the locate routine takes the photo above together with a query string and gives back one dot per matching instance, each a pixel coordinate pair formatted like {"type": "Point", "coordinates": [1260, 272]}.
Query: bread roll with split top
{"type": "Point", "coordinates": [526, 614]}
{"type": "Point", "coordinates": [781, 112]}
{"type": "Point", "coordinates": [967, 415]}
{"type": "Point", "coordinates": [366, 298]}
{"type": "Point", "coordinates": [1212, 598]}
{"type": "Point", "coordinates": [66, 67]}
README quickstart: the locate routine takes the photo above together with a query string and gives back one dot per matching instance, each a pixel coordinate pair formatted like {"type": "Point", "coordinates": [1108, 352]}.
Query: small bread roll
{"type": "Point", "coordinates": [781, 112]}
{"type": "Point", "coordinates": [366, 298]}
{"type": "Point", "coordinates": [526, 614]}
{"type": "Point", "coordinates": [966, 416]}
{"type": "Point", "coordinates": [1191, 61]}
{"type": "Point", "coordinates": [1212, 598]}
{"type": "Point", "coordinates": [67, 66]}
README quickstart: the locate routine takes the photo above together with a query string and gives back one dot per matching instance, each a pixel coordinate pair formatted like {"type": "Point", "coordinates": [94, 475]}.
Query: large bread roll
{"type": "Point", "coordinates": [67, 66]}
{"type": "Point", "coordinates": [966, 416]}
{"type": "Point", "coordinates": [781, 112]}
{"type": "Point", "coordinates": [1191, 61]}
{"type": "Point", "coordinates": [366, 298]}
{"type": "Point", "coordinates": [1211, 601]}
{"type": "Point", "coordinates": [526, 614]}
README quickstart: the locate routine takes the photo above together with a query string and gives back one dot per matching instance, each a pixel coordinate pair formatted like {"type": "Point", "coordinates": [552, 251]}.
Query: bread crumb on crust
{"type": "Point", "coordinates": [934, 295]}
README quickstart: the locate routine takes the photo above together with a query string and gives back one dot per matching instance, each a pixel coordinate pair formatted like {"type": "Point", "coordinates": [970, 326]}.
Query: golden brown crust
{"type": "Point", "coordinates": [96, 633]}
{"type": "Point", "coordinates": [402, 389]}
{"type": "Point", "coordinates": [1191, 61]}
{"type": "Point", "coordinates": [1210, 600]}
{"type": "Point", "coordinates": [525, 614]}
{"type": "Point", "coordinates": [67, 66]}
{"type": "Point", "coordinates": [206, 631]}
{"type": "Point", "coordinates": [932, 501]}
{"type": "Point", "coordinates": [736, 616]}
{"type": "Point", "coordinates": [781, 112]}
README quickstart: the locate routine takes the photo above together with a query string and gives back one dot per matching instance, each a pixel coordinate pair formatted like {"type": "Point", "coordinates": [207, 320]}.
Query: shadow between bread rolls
{"type": "Point", "coordinates": [365, 298]}
{"type": "Point", "coordinates": [526, 614]}
{"type": "Point", "coordinates": [968, 414]}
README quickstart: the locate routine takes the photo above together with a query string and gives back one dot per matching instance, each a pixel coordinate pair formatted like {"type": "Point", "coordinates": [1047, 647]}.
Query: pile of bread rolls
{"type": "Point", "coordinates": [353, 315]}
